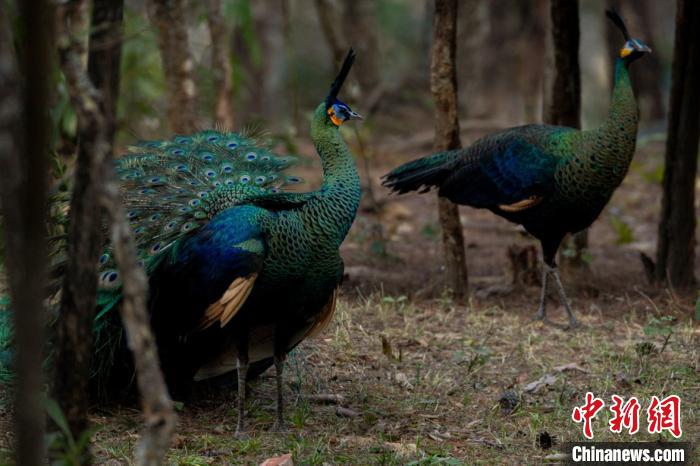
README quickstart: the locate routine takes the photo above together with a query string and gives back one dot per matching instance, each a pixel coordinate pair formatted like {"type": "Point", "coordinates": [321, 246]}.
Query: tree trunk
{"type": "Point", "coordinates": [170, 17]}
{"type": "Point", "coordinates": [24, 147]}
{"type": "Point", "coordinates": [156, 403]}
{"type": "Point", "coordinates": [563, 106]}
{"type": "Point", "coordinates": [676, 244]}
{"type": "Point", "coordinates": [74, 332]}
{"type": "Point", "coordinates": [443, 85]}
{"type": "Point", "coordinates": [361, 34]}
{"type": "Point", "coordinates": [326, 19]}
{"type": "Point", "coordinates": [221, 64]}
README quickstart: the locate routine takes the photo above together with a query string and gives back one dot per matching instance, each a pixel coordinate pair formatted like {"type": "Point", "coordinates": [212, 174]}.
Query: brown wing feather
{"type": "Point", "coordinates": [325, 316]}
{"type": "Point", "coordinates": [229, 304]}
{"type": "Point", "coordinates": [521, 205]}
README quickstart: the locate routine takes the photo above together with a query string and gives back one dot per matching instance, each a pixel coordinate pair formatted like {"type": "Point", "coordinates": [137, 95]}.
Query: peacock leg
{"type": "Point", "coordinates": [279, 367]}
{"type": "Point", "coordinates": [242, 348]}
{"type": "Point", "coordinates": [542, 310]}
{"type": "Point", "coordinates": [573, 323]}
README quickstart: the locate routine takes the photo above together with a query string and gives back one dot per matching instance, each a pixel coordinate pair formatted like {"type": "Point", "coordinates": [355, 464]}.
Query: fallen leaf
{"type": "Point", "coordinates": [557, 457]}
{"type": "Point", "coordinates": [345, 412]}
{"type": "Point", "coordinates": [402, 379]}
{"type": "Point", "coordinates": [534, 387]}
{"type": "Point", "coordinates": [572, 366]}
{"type": "Point", "coordinates": [284, 460]}
{"type": "Point", "coordinates": [403, 450]}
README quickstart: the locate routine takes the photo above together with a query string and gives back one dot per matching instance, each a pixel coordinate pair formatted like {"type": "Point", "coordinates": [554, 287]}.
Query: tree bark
{"type": "Point", "coordinates": [24, 147]}
{"type": "Point", "coordinates": [361, 33]}
{"type": "Point", "coordinates": [563, 106]}
{"type": "Point", "coordinates": [443, 85]}
{"type": "Point", "coordinates": [221, 64]}
{"type": "Point", "coordinates": [93, 120]}
{"type": "Point", "coordinates": [74, 333]}
{"type": "Point", "coordinates": [170, 17]}
{"type": "Point", "coordinates": [676, 244]}
{"type": "Point", "coordinates": [326, 20]}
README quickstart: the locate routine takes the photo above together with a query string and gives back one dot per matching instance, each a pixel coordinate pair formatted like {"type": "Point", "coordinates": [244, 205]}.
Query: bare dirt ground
{"type": "Point", "coordinates": [416, 378]}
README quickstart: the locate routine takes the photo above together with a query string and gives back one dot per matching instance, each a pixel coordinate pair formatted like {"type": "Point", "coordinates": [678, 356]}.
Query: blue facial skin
{"type": "Point", "coordinates": [343, 112]}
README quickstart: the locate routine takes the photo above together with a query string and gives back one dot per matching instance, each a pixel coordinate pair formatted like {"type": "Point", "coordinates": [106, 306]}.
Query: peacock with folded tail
{"type": "Point", "coordinates": [552, 180]}
{"type": "Point", "coordinates": [240, 271]}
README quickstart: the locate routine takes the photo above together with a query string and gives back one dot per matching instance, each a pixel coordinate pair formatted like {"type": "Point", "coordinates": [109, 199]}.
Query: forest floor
{"type": "Point", "coordinates": [416, 378]}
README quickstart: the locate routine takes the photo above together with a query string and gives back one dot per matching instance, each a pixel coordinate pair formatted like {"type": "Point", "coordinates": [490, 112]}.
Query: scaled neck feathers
{"type": "Point", "coordinates": [620, 128]}
{"type": "Point", "coordinates": [341, 182]}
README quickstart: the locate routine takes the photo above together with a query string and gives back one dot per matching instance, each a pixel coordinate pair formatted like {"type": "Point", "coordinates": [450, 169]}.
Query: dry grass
{"type": "Point", "coordinates": [424, 382]}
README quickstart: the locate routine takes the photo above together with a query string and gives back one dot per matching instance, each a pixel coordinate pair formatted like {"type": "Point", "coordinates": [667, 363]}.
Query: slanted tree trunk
{"type": "Point", "coordinates": [676, 244]}
{"type": "Point", "coordinates": [221, 64]}
{"type": "Point", "coordinates": [92, 114]}
{"type": "Point", "coordinates": [74, 332]}
{"type": "Point", "coordinates": [24, 149]}
{"type": "Point", "coordinates": [170, 17]}
{"type": "Point", "coordinates": [443, 85]}
{"type": "Point", "coordinates": [563, 105]}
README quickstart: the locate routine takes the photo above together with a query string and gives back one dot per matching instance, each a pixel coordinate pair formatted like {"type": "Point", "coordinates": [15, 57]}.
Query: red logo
{"type": "Point", "coordinates": [587, 412]}
{"type": "Point", "coordinates": [624, 415]}
{"type": "Point", "coordinates": [665, 415]}
{"type": "Point", "coordinates": [661, 415]}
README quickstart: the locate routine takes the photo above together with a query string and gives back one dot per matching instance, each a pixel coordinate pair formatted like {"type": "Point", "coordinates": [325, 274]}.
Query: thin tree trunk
{"type": "Point", "coordinates": [443, 85]}
{"type": "Point", "coordinates": [326, 20]}
{"type": "Point", "coordinates": [24, 149]}
{"type": "Point", "coordinates": [221, 64]}
{"type": "Point", "coordinates": [676, 245]}
{"type": "Point", "coordinates": [92, 115]}
{"type": "Point", "coordinates": [170, 17]}
{"type": "Point", "coordinates": [563, 106]}
{"type": "Point", "coordinates": [74, 330]}
{"type": "Point", "coordinates": [361, 34]}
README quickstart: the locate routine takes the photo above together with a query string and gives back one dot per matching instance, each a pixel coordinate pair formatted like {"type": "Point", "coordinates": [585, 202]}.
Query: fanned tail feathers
{"type": "Point", "coordinates": [171, 188]}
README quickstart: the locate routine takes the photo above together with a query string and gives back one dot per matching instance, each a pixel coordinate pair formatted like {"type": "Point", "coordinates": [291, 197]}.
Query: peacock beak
{"type": "Point", "coordinates": [355, 116]}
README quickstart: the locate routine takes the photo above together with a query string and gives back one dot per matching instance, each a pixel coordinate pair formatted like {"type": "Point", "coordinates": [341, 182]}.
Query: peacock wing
{"type": "Point", "coordinates": [511, 170]}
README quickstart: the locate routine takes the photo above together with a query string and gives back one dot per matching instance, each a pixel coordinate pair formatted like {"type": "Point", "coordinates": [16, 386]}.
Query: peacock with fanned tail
{"type": "Point", "coordinates": [240, 271]}
{"type": "Point", "coordinates": [553, 180]}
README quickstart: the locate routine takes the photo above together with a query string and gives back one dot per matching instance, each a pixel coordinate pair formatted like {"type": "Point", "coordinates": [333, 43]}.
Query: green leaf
{"type": "Point", "coordinates": [56, 414]}
{"type": "Point", "coordinates": [622, 229]}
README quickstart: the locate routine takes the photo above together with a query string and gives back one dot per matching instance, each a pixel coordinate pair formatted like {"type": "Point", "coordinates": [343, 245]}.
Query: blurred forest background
{"type": "Point", "coordinates": [280, 58]}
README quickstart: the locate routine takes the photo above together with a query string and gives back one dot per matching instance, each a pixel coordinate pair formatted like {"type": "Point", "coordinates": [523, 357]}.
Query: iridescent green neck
{"type": "Point", "coordinates": [338, 165]}
{"type": "Point", "coordinates": [341, 182]}
{"type": "Point", "coordinates": [619, 132]}
{"type": "Point", "coordinates": [623, 115]}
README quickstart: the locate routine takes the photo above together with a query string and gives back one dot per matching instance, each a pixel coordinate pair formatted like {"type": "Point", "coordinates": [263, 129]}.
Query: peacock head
{"type": "Point", "coordinates": [338, 112]}
{"type": "Point", "coordinates": [633, 48]}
